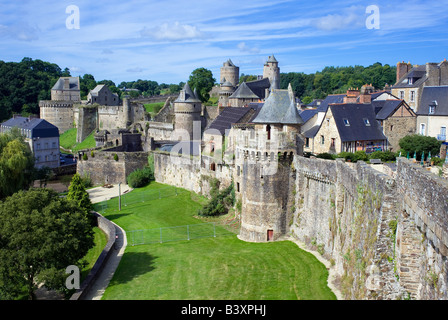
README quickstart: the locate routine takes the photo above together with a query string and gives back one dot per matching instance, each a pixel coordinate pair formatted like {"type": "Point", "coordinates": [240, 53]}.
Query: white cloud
{"type": "Point", "coordinates": [75, 69]}
{"type": "Point", "coordinates": [245, 48]}
{"type": "Point", "coordinates": [337, 21]}
{"type": "Point", "coordinates": [172, 32]}
{"type": "Point", "coordinates": [135, 70]}
{"type": "Point", "coordinates": [22, 32]}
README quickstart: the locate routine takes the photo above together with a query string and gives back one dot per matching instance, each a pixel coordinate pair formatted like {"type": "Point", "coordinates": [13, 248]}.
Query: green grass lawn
{"type": "Point", "coordinates": [210, 268]}
{"type": "Point", "coordinates": [100, 240]}
{"type": "Point", "coordinates": [67, 140]}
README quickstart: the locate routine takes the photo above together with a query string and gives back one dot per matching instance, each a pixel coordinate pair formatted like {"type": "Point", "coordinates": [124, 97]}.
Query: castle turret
{"type": "Point", "coordinates": [272, 71]}
{"type": "Point", "coordinates": [264, 152]}
{"type": "Point", "coordinates": [187, 110]}
{"type": "Point", "coordinates": [230, 73]}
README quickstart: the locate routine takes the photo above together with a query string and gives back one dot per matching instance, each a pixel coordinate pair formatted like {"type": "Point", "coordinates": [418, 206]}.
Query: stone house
{"type": "Point", "coordinates": [432, 117]}
{"type": "Point", "coordinates": [42, 136]}
{"type": "Point", "coordinates": [102, 95]}
{"type": "Point", "coordinates": [412, 79]}
{"type": "Point", "coordinates": [397, 120]}
{"type": "Point", "coordinates": [66, 89]}
{"type": "Point", "coordinates": [348, 127]}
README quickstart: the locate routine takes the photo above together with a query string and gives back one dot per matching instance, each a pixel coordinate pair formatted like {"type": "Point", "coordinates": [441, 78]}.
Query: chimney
{"type": "Point", "coordinates": [351, 96]}
{"type": "Point", "coordinates": [66, 84]}
{"type": "Point", "coordinates": [433, 74]}
{"type": "Point", "coordinates": [402, 69]}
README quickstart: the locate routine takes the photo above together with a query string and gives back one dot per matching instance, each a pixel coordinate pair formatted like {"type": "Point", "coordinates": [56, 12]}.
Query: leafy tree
{"type": "Point", "coordinates": [16, 163]}
{"type": "Point", "coordinates": [86, 82]}
{"type": "Point", "coordinates": [41, 234]}
{"type": "Point", "coordinates": [202, 80]}
{"type": "Point", "coordinates": [418, 143]}
{"type": "Point", "coordinates": [78, 194]}
{"type": "Point", "coordinates": [25, 83]}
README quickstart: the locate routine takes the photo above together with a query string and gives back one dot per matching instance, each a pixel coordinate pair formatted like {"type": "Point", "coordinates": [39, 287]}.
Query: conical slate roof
{"type": "Point", "coordinates": [187, 95]}
{"type": "Point", "coordinates": [243, 91]}
{"type": "Point", "coordinates": [280, 108]}
{"type": "Point", "coordinates": [272, 59]}
{"type": "Point", "coordinates": [226, 83]}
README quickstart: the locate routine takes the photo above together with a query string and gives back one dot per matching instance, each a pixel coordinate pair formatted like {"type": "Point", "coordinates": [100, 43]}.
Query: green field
{"type": "Point", "coordinates": [209, 268]}
{"type": "Point", "coordinates": [67, 140]}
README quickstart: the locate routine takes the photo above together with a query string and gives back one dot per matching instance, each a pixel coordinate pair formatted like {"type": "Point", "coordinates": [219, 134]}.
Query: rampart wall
{"type": "Point", "coordinates": [385, 236]}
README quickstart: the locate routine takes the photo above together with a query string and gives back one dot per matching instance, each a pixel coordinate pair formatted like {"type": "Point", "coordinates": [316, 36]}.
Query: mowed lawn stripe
{"type": "Point", "coordinates": [218, 268]}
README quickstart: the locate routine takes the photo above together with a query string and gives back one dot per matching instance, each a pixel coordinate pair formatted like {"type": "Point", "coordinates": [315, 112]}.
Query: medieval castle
{"type": "Point", "coordinates": [385, 233]}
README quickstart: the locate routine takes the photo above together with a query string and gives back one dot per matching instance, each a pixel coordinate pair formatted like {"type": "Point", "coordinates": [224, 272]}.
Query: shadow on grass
{"type": "Point", "coordinates": [133, 265]}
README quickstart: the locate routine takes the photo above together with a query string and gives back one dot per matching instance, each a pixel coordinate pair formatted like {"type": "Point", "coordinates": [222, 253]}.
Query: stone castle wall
{"type": "Point", "coordinates": [104, 169]}
{"type": "Point", "coordinates": [386, 237]}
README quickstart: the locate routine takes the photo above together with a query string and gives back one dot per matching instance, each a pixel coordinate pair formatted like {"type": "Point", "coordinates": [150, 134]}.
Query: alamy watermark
{"type": "Point", "coordinates": [73, 280]}
{"type": "Point", "coordinates": [73, 20]}
{"type": "Point", "coordinates": [373, 20]}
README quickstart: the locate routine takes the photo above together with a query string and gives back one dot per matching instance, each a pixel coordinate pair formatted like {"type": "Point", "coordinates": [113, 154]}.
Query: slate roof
{"type": "Point", "coordinates": [357, 130]}
{"type": "Point", "coordinates": [243, 92]}
{"type": "Point", "coordinates": [272, 59]}
{"type": "Point", "coordinates": [229, 116]}
{"type": "Point", "coordinates": [307, 114]}
{"type": "Point", "coordinates": [280, 108]}
{"type": "Point", "coordinates": [311, 133]}
{"type": "Point", "coordinates": [334, 98]}
{"type": "Point", "coordinates": [73, 83]}
{"type": "Point", "coordinates": [430, 94]}
{"type": "Point", "coordinates": [189, 95]}
{"type": "Point", "coordinates": [39, 127]}
{"type": "Point", "coordinates": [259, 87]}
{"type": "Point", "coordinates": [417, 73]}
{"type": "Point", "coordinates": [385, 108]}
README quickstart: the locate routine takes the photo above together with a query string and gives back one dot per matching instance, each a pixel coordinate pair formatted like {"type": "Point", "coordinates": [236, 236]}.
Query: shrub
{"type": "Point", "coordinates": [140, 177]}
{"type": "Point", "coordinates": [326, 155]}
{"type": "Point", "coordinates": [383, 155]}
{"type": "Point", "coordinates": [360, 156]}
{"type": "Point", "coordinates": [418, 143]}
{"type": "Point", "coordinates": [220, 202]}
{"type": "Point", "coordinates": [115, 157]}
{"type": "Point", "coordinates": [346, 155]}
{"type": "Point", "coordinates": [84, 157]}
{"type": "Point", "coordinates": [438, 161]}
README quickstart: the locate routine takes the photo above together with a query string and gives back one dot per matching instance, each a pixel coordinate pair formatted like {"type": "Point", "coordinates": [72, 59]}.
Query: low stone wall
{"type": "Point", "coordinates": [191, 173]}
{"type": "Point", "coordinates": [104, 169]}
{"type": "Point", "coordinates": [109, 229]}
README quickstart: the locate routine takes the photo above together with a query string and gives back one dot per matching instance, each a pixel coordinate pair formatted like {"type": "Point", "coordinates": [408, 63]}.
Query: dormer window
{"type": "Point", "coordinates": [432, 107]}
{"type": "Point", "coordinates": [366, 122]}
{"type": "Point", "coordinates": [346, 122]}
{"type": "Point", "coordinates": [410, 81]}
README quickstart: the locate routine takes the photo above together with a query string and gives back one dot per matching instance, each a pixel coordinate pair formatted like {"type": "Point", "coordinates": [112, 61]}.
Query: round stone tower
{"type": "Point", "coordinates": [272, 71]}
{"type": "Point", "coordinates": [227, 89]}
{"type": "Point", "coordinates": [230, 73]}
{"type": "Point", "coordinates": [187, 111]}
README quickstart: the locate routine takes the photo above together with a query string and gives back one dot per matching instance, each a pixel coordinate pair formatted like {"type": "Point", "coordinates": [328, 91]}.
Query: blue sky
{"type": "Point", "coordinates": [166, 40]}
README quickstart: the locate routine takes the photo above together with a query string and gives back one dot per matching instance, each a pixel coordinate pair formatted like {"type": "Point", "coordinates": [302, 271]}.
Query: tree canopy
{"type": "Point", "coordinates": [202, 80]}
{"type": "Point", "coordinates": [23, 84]}
{"type": "Point", "coordinates": [333, 80]}
{"type": "Point", "coordinates": [78, 194]}
{"type": "Point", "coordinates": [16, 163]}
{"type": "Point", "coordinates": [418, 144]}
{"type": "Point", "coordinates": [41, 234]}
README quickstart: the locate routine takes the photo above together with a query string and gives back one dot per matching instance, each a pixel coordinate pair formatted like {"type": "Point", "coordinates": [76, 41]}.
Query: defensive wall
{"type": "Point", "coordinates": [110, 167]}
{"type": "Point", "coordinates": [386, 237]}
